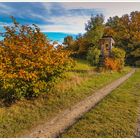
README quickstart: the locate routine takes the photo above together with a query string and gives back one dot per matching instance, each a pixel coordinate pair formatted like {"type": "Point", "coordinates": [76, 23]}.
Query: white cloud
{"type": "Point", "coordinates": [67, 21]}
{"type": "Point", "coordinates": [110, 8]}
{"type": "Point", "coordinates": [67, 24]}
{"type": "Point", "coordinates": [76, 24]}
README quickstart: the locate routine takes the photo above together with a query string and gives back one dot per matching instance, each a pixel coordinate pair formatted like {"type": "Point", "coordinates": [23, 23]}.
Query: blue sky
{"type": "Point", "coordinates": [60, 17]}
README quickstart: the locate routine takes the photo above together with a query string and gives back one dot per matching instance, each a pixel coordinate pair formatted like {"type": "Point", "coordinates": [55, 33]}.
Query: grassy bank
{"type": "Point", "coordinates": [115, 116]}
{"type": "Point", "coordinates": [78, 84]}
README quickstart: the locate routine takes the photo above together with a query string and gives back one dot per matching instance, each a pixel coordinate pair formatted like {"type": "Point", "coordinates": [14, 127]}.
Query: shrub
{"type": "Point", "coordinates": [93, 56]}
{"type": "Point", "coordinates": [29, 63]}
{"type": "Point", "coordinates": [116, 61]}
{"type": "Point", "coordinates": [111, 63]}
{"type": "Point", "coordinates": [118, 53]}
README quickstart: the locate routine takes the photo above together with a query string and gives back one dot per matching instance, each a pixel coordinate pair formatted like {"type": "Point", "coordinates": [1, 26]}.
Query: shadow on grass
{"type": "Point", "coordinates": [7, 99]}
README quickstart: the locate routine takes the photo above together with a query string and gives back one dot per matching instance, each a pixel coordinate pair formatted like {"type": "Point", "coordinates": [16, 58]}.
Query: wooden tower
{"type": "Point", "coordinates": [106, 44]}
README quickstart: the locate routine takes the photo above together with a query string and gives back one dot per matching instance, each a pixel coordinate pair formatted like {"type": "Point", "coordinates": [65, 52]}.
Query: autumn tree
{"type": "Point", "coordinates": [69, 42]}
{"type": "Point", "coordinates": [79, 46]}
{"type": "Point", "coordinates": [29, 63]}
{"type": "Point", "coordinates": [94, 29]}
{"type": "Point", "coordinates": [126, 32]}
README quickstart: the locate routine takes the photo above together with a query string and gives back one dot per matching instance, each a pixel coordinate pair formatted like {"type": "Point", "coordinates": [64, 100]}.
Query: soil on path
{"type": "Point", "coordinates": [65, 119]}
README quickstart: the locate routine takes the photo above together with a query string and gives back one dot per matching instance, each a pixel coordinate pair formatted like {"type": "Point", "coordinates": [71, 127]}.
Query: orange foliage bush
{"type": "Point", "coordinates": [116, 60]}
{"type": "Point", "coordinates": [110, 63]}
{"type": "Point", "coordinates": [113, 64]}
{"type": "Point", "coordinates": [29, 63]}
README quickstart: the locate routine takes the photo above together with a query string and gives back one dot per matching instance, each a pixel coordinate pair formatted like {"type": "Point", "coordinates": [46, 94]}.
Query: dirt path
{"type": "Point", "coordinates": [65, 119]}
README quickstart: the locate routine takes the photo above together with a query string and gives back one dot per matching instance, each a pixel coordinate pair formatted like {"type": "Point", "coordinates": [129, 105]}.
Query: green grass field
{"type": "Point", "coordinates": [115, 116]}
{"type": "Point", "coordinates": [79, 83]}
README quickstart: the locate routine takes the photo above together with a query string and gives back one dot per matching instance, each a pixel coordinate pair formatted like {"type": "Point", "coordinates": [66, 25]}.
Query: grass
{"type": "Point", "coordinates": [82, 65]}
{"type": "Point", "coordinates": [26, 114]}
{"type": "Point", "coordinates": [115, 116]}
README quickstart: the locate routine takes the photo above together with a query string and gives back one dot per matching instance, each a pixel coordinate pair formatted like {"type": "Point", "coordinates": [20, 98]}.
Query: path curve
{"type": "Point", "coordinates": [65, 119]}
